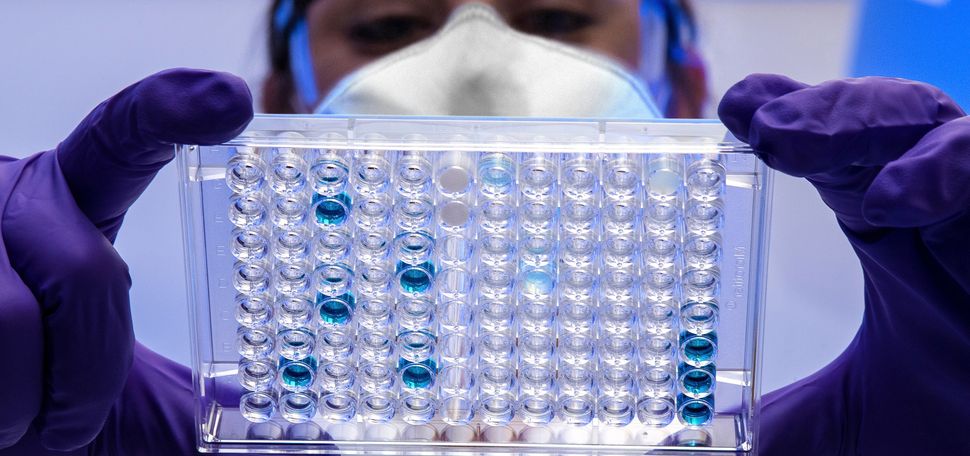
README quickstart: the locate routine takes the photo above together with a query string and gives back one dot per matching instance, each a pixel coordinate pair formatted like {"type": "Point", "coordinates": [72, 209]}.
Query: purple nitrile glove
{"type": "Point", "coordinates": [74, 377]}
{"type": "Point", "coordinates": [891, 158]}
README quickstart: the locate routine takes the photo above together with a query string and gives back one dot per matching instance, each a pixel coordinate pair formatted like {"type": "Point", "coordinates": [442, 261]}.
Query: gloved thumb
{"type": "Point", "coordinates": [113, 154]}
{"type": "Point", "coordinates": [927, 184]}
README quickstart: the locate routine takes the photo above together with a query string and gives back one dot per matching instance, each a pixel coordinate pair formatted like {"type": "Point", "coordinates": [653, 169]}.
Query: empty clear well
{"type": "Point", "coordinates": [467, 292]}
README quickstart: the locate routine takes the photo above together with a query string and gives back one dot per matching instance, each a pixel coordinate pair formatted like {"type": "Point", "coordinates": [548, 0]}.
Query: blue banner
{"type": "Point", "coordinates": [926, 40]}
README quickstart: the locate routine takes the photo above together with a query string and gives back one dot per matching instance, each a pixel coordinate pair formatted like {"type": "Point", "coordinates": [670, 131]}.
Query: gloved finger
{"type": "Point", "coordinates": [927, 188]}
{"type": "Point", "coordinates": [82, 286]}
{"type": "Point", "coordinates": [21, 347]}
{"type": "Point", "coordinates": [743, 99]}
{"type": "Point", "coordinates": [114, 153]}
{"type": "Point", "coordinates": [851, 122]}
{"type": "Point", "coordinates": [927, 184]}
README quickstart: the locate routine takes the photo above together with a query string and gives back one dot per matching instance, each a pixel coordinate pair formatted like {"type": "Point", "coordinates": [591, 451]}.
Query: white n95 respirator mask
{"type": "Point", "coordinates": [477, 65]}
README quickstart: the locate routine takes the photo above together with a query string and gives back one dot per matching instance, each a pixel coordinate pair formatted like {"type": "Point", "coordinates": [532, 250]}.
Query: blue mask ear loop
{"type": "Point", "coordinates": [660, 87]}
{"type": "Point", "coordinates": [679, 32]}
{"type": "Point", "coordinates": [301, 65]}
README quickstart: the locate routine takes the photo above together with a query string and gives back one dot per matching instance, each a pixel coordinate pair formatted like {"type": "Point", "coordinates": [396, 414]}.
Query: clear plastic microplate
{"type": "Point", "coordinates": [366, 285]}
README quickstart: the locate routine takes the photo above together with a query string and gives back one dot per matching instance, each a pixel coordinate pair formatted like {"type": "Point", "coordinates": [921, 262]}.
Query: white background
{"type": "Point", "coordinates": [58, 59]}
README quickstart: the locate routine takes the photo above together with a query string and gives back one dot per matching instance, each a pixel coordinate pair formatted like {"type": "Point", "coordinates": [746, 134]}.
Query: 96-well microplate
{"type": "Point", "coordinates": [380, 283]}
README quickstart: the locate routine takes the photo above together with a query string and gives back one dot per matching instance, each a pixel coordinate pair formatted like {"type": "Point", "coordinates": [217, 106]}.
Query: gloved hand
{"type": "Point", "coordinates": [891, 158]}
{"type": "Point", "coordinates": [74, 378]}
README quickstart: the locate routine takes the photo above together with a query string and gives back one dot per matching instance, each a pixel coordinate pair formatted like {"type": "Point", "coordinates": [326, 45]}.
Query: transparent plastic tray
{"type": "Point", "coordinates": [364, 285]}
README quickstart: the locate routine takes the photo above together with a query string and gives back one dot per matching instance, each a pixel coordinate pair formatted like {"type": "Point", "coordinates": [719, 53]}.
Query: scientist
{"type": "Point", "coordinates": [890, 157]}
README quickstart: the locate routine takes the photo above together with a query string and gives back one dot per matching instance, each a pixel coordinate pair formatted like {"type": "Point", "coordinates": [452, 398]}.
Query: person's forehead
{"type": "Point", "coordinates": [448, 5]}
{"type": "Point", "coordinates": [550, 3]}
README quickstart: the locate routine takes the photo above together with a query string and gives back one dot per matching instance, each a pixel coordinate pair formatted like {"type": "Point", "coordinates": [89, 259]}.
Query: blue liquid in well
{"type": "Point", "coordinates": [417, 375]}
{"type": "Point", "coordinates": [538, 283]}
{"type": "Point", "coordinates": [699, 349]}
{"type": "Point", "coordinates": [416, 278]}
{"type": "Point", "coordinates": [332, 210]}
{"type": "Point", "coordinates": [696, 413]}
{"type": "Point", "coordinates": [698, 381]}
{"type": "Point", "coordinates": [298, 374]}
{"type": "Point", "coordinates": [336, 310]}
{"type": "Point", "coordinates": [496, 171]}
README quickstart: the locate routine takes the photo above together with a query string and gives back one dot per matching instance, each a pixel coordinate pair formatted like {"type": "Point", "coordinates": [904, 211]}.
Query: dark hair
{"type": "Point", "coordinates": [685, 68]}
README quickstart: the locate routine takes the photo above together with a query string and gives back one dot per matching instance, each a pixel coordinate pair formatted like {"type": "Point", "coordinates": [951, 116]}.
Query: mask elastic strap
{"type": "Point", "coordinates": [653, 15]}
{"type": "Point", "coordinates": [301, 65]}
{"type": "Point", "coordinates": [679, 33]}
{"type": "Point", "coordinates": [282, 15]}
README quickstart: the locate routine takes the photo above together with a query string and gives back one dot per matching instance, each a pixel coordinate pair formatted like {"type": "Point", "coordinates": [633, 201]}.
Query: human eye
{"type": "Point", "coordinates": [387, 33]}
{"type": "Point", "coordinates": [552, 22]}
